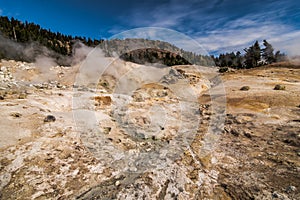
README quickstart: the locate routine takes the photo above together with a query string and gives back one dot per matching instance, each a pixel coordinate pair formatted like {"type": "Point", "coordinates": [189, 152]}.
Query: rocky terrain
{"type": "Point", "coordinates": [149, 132]}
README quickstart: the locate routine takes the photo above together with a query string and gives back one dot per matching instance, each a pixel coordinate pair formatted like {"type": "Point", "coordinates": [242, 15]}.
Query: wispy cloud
{"type": "Point", "coordinates": [242, 32]}
{"type": "Point", "coordinates": [222, 26]}
{"type": "Point", "coordinates": [1, 11]}
{"type": "Point", "coordinates": [116, 29]}
{"type": "Point", "coordinates": [230, 37]}
{"type": "Point", "coordinates": [166, 15]}
{"type": "Point", "coordinates": [288, 42]}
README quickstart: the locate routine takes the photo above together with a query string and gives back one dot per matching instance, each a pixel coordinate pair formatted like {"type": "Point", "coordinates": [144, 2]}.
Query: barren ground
{"type": "Point", "coordinates": [106, 144]}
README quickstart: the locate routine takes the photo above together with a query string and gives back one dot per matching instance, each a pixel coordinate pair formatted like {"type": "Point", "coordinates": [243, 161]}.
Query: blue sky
{"type": "Point", "coordinates": [218, 25]}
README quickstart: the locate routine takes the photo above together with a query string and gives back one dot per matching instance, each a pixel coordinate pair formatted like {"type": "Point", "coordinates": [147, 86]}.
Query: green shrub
{"type": "Point", "coordinates": [245, 88]}
{"type": "Point", "coordinates": [223, 69]}
{"type": "Point", "coordinates": [279, 87]}
{"type": "Point", "coordinates": [22, 96]}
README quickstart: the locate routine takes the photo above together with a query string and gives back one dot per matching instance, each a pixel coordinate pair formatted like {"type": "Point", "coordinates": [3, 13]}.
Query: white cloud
{"type": "Point", "coordinates": [1, 11]}
{"type": "Point", "coordinates": [288, 42]}
{"type": "Point", "coordinates": [217, 29]}
{"type": "Point", "coordinates": [116, 30]}
{"type": "Point", "coordinates": [165, 15]}
{"type": "Point", "coordinates": [239, 34]}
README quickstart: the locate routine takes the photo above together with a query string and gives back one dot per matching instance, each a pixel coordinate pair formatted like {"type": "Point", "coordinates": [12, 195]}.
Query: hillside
{"type": "Point", "coordinates": [27, 41]}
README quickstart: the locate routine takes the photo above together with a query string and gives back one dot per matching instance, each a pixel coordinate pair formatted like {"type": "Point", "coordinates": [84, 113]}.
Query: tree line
{"type": "Point", "coordinates": [254, 56]}
{"type": "Point", "coordinates": [26, 33]}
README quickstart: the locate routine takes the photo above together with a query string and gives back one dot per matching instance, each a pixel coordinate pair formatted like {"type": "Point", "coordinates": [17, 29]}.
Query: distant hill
{"type": "Point", "coordinates": [150, 51]}
{"type": "Point", "coordinates": [25, 41]}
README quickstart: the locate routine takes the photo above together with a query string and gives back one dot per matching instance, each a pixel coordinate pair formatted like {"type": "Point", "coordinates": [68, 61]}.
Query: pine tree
{"type": "Point", "coordinates": [279, 57]}
{"type": "Point", "coordinates": [256, 51]}
{"type": "Point", "coordinates": [252, 56]}
{"type": "Point", "coordinates": [267, 52]}
{"type": "Point", "coordinates": [239, 60]}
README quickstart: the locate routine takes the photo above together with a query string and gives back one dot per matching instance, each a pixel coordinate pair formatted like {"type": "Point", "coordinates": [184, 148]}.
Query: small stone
{"type": "Point", "coordinates": [248, 135]}
{"type": "Point", "coordinates": [275, 194]}
{"type": "Point", "coordinates": [117, 183]}
{"type": "Point", "coordinates": [106, 130]}
{"type": "Point", "coordinates": [49, 118]}
{"type": "Point", "coordinates": [234, 132]}
{"type": "Point", "coordinates": [1, 97]}
{"type": "Point", "coordinates": [291, 188]}
{"type": "Point", "coordinates": [22, 96]}
{"type": "Point", "coordinates": [245, 88]}
{"type": "Point", "coordinates": [16, 114]}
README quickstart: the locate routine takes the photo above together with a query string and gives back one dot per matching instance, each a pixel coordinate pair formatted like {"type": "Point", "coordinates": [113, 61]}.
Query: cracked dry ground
{"type": "Point", "coordinates": [255, 157]}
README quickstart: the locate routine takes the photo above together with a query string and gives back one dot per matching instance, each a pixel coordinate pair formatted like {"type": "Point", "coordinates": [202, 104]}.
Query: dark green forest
{"type": "Point", "coordinates": [25, 41]}
{"type": "Point", "coordinates": [30, 32]}
{"type": "Point", "coordinates": [253, 56]}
